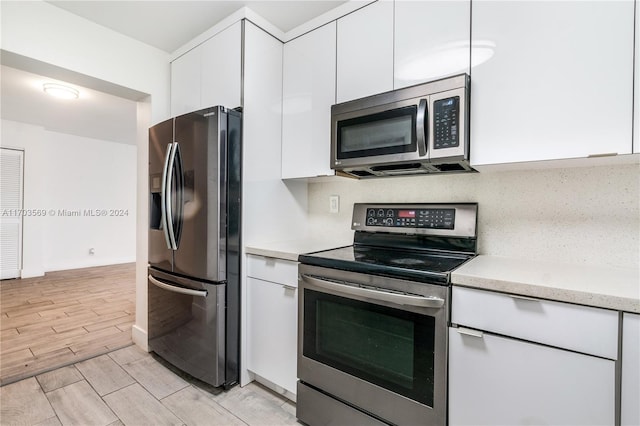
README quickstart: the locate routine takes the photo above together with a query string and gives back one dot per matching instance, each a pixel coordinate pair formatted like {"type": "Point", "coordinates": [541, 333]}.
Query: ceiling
{"type": "Point", "coordinates": [94, 114]}
{"type": "Point", "coordinates": [166, 25]}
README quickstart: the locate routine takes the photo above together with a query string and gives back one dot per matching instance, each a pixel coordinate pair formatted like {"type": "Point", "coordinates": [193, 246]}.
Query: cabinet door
{"type": "Point", "coordinates": [222, 69]}
{"type": "Point", "coordinates": [636, 86]}
{"type": "Point", "coordinates": [272, 332]}
{"type": "Point", "coordinates": [309, 87]}
{"type": "Point", "coordinates": [431, 40]}
{"type": "Point", "coordinates": [501, 381]}
{"type": "Point", "coordinates": [365, 52]}
{"type": "Point", "coordinates": [630, 370]}
{"type": "Point", "coordinates": [559, 84]}
{"type": "Point", "coordinates": [185, 82]}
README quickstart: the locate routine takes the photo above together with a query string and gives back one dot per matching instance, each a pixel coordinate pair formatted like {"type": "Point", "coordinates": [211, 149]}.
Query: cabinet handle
{"type": "Point", "coordinates": [518, 297]}
{"type": "Point", "coordinates": [604, 154]}
{"type": "Point", "coordinates": [289, 287]}
{"type": "Point", "coordinates": [470, 332]}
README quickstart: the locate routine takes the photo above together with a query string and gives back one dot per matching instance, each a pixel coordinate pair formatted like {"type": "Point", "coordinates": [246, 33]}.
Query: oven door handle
{"type": "Point", "coordinates": [398, 299]}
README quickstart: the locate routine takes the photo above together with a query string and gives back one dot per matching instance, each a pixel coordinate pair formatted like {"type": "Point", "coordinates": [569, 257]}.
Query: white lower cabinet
{"type": "Point", "coordinates": [630, 394]}
{"type": "Point", "coordinates": [497, 380]}
{"type": "Point", "coordinates": [502, 372]}
{"type": "Point", "coordinates": [272, 318]}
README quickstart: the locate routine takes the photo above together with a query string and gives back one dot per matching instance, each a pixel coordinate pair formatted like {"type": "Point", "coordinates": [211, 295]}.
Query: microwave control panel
{"type": "Point", "coordinates": [446, 122]}
{"type": "Point", "coordinates": [411, 218]}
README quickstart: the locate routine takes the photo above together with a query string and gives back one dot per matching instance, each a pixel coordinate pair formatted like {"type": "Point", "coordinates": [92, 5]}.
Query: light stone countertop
{"type": "Point", "coordinates": [598, 286]}
{"type": "Point", "coordinates": [290, 249]}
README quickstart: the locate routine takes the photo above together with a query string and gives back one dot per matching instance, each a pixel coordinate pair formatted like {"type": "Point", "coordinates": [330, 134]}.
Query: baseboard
{"type": "Point", "coordinates": [31, 273]}
{"type": "Point", "coordinates": [274, 387]}
{"type": "Point", "coordinates": [140, 337]}
{"type": "Point", "coordinates": [89, 264]}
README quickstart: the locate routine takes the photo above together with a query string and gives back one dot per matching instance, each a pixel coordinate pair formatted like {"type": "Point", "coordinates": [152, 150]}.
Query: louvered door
{"type": "Point", "coordinates": [11, 175]}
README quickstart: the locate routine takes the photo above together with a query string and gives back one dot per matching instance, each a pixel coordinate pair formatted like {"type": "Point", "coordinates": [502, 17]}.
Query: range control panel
{"type": "Point", "coordinates": [437, 219]}
{"type": "Point", "coordinates": [412, 218]}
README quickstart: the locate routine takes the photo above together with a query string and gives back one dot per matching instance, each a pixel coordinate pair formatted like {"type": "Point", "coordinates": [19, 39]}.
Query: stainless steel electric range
{"type": "Point", "coordinates": [372, 328]}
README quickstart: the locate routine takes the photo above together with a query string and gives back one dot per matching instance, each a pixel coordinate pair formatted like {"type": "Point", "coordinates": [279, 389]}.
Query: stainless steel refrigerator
{"type": "Point", "coordinates": [194, 243]}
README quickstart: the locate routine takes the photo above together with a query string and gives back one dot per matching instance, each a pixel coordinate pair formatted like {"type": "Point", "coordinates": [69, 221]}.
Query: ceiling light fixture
{"type": "Point", "coordinates": [60, 91]}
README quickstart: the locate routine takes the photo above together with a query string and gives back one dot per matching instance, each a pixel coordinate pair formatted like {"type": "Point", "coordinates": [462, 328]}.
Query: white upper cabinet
{"type": "Point", "coordinates": [431, 40]}
{"type": "Point", "coordinates": [636, 85]}
{"type": "Point", "coordinates": [365, 52]}
{"type": "Point", "coordinates": [559, 83]}
{"type": "Point", "coordinates": [222, 68]}
{"type": "Point", "coordinates": [309, 88]}
{"type": "Point", "coordinates": [185, 82]}
{"type": "Point", "coordinates": [210, 74]}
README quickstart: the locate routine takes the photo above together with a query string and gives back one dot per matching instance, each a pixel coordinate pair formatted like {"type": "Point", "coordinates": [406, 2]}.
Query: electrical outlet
{"type": "Point", "coordinates": [334, 203]}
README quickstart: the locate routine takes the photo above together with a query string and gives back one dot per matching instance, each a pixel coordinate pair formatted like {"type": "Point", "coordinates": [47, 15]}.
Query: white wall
{"type": "Point", "coordinates": [575, 215]}
{"type": "Point", "coordinates": [43, 32]}
{"type": "Point", "coordinates": [69, 176]}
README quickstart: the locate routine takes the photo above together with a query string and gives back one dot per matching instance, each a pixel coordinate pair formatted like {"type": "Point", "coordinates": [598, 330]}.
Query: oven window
{"type": "Point", "coordinates": [388, 132]}
{"type": "Point", "coordinates": [389, 347]}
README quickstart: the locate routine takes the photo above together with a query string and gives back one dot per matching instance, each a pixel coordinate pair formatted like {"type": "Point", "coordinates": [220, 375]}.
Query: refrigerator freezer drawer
{"type": "Point", "coordinates": [186, 327]}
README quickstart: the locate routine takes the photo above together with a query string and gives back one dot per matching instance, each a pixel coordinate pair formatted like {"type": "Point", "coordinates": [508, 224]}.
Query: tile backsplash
{"type": "Point", "coordinates": [572, 215]}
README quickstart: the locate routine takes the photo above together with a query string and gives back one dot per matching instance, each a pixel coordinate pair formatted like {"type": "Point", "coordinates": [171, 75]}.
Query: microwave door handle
{"type": "Point", "coordinates": [422, 126]}
{"type": "Point", "coordinates": [396, 298]}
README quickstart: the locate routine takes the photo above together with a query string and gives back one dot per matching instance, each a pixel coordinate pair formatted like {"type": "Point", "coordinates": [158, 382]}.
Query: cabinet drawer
{"type": "Point", "coordinates": [272, 269]}
{"type": "Point", "coordinates": [578, 328]}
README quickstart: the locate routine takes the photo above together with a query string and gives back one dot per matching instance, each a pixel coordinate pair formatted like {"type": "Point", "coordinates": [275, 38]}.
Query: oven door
{"type": "Point", "coordinates": [381, 352]}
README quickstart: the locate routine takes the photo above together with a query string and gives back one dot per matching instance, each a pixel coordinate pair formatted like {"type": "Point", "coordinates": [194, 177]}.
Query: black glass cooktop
{"type": "Point", "coordinates": [422, 265]}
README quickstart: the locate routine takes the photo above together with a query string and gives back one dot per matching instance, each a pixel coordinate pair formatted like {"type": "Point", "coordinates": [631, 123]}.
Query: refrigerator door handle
{"type": "Point", "coordinates": [178, 168]}
{"type": "Point", "coordinates": [163, 196]}
{"type": "Point", "coordinates": [169, 198]}
{"type": "Point", "coordinates": [181, 290]}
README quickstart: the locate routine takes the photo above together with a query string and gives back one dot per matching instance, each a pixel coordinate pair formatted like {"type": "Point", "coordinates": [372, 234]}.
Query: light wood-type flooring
{"type": "Point", "coordinates": [131, 387]}
{"type": "Point", "coordinates": [63, 318]}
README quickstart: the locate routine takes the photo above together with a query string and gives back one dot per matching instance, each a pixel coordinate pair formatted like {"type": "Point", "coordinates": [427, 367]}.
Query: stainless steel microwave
{"type": "Point", "coordinates": [415, 130]}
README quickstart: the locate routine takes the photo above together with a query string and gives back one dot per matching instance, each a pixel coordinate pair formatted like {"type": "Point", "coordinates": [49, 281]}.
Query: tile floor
{"type": "Point", "coordinates": [131, 387]}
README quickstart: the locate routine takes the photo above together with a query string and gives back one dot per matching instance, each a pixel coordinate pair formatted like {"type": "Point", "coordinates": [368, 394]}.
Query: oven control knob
{"type": "Point", "coordinates": [389, 213]}
{"type": "Point", "coordinates": [388, 222]}
{"type": "Point", "coordinates": [380, 213]}
{"type": "Point", "coordinates": [371, 221]}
